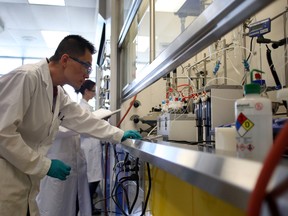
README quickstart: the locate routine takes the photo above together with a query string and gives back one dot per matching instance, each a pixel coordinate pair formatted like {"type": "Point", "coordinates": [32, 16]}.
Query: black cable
{"type": "Point", "coordinates": [126, 158]}
{"type": "Point", "coordinates": [116, 182]}
{"type": "Point", "coordinates": [121, 170]}
{"type": "Point", "coordinates": [119, 184]}
{"type": "Point", "coordinates": [106, 172]}
{"type": "Point", "coordinates": [251, 41]}
{"type": "Point", "coordinates": [149, 190]}
{"type": "Point", "coordinates": [110, 211]}
{"type": "Point", "coordinates": [135, 198]}
{"type": "Point", "coordinates": [114, 189]}
{"type": "Point", "coordinates": [115, 199]}
{"type": "Point", "coordinates": [101, 200]}
{"type": "Point", "coordinates": [115, 153]}
{"type": "Point", "coordinates": [134, 178]}
{"type": "Point", "coordinates": [279, 43]}
{"type": "Point", "coordinates": [274, 73]}
{"type": "Point", "coordinates": [210, 141]}
{"type": "Point", "coordinates": [137, 185]}
{"type": "Point", "coordinates": [272, 68]}
{"type": "Point", "coordinates": [126, 197]}
{"type": "Point", "coordinates": [115, 185]}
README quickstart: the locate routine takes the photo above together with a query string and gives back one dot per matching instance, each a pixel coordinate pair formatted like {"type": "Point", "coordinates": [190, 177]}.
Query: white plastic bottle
{"type": "Point", "coordinates": [253, 115]}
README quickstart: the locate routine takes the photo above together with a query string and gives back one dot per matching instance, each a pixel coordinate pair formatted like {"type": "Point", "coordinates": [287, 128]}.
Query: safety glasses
{"type": "Point", "coordinates": [87, 66]}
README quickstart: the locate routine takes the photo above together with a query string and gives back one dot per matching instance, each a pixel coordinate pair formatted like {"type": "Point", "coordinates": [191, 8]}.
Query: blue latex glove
{"type": "Point", "coordinates": [59, 170]}
{"type": "Point", "coordinates": [131, 134]}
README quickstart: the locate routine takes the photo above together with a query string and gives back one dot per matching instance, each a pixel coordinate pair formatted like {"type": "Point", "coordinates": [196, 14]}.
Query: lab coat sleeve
{"type": "Point", "coordinates": [16, 91]}
{"type": "Point", "coordinates": [84, 122]}
{"type": "Point", "coordinates": [64, 133]}
{"type": "Point", "coordinates": [102, 113]}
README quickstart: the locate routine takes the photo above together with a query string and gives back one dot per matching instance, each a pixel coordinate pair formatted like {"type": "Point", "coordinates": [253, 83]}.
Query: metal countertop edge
{"type": "Point", "coordinates": [230, 179]}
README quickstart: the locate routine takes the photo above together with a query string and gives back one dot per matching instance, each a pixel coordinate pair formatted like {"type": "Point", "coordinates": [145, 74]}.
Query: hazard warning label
{"type": "Point", "coordinates": [243, 124]}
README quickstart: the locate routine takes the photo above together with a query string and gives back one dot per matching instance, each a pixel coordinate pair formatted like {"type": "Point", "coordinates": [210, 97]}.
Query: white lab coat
{"type": "Point", "coordinates": [93, 152]}
{"type": "Point", "coordinates": [56, 197]}
{"type": "Point", "coordinates": [27, 129]}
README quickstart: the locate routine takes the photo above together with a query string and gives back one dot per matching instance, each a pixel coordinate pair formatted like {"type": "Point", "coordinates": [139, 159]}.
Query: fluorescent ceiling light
{"type": "Point", "coordinates": [48, 2]}
{"type": "Point", "coordinates": [53, 38]}
{"type": "Point", "coordinates": [172, 6]}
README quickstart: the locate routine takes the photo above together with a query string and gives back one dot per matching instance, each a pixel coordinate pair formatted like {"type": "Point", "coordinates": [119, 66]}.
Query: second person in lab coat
{"type": "Point", "coordinates": [91, 146]}
{"type": "Point", "coordinates": [56, 197]}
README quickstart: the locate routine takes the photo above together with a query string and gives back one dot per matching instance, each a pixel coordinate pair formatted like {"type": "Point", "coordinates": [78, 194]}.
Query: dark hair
{"type": "Point", "coordinates": [73, 45]}
{"type": "Point", "coordinates": [88, 84]}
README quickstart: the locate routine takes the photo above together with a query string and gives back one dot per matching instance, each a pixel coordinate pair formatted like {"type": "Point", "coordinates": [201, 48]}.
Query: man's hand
{"type": "Point", "coordinates": [131, 134]}
{"type": "Point", "coordinates": [59, 170]}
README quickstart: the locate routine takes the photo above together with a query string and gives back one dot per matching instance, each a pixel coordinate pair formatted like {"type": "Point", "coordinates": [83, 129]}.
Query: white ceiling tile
{"type": "Point", "coordinates": [82, 3]}
{"type": "Point", "coordinates": [17, 16]}
{"type": "Point", "coordinates": [24, 22]}
{"type": "Point", "coordinates": [51, 17]}
{"type": "Point", "coordinates": [82, 19]}
{"type": "Point", "coordinates": [27, 37]}
{"type": "Point", "coordinates": [13, 1]}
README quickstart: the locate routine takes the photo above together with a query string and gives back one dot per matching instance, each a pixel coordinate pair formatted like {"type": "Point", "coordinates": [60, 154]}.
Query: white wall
{"type": "Point", "coordinates": [153, 95]}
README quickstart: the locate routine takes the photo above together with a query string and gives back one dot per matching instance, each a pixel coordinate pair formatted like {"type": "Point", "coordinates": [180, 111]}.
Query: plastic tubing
{"type": "Point", "coordinates": [184, 85]}
{"type": "Point", "coordinates": [233, 66]}
{"type": "Point", "coordinates": [218, 51]}
{"type": "Point", "coordinates": [221, 50]}
{"type": "Point", "coordinates": [131, 104]}
{"type": "Point", "coordinates": [270, 163]}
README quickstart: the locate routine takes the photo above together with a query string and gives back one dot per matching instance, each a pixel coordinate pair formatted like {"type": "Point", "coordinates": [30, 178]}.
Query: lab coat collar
{"type": "Point", "coordinates": [46, 78]}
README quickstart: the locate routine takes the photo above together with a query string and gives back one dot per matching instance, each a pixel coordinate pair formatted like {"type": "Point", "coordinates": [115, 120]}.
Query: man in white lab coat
{"type": "Point", "coordinates": [32, 106]}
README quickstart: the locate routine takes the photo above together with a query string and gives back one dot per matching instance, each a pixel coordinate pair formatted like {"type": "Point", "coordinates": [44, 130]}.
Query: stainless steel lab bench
{"type": "Point", "coordinates": [219, 173]}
